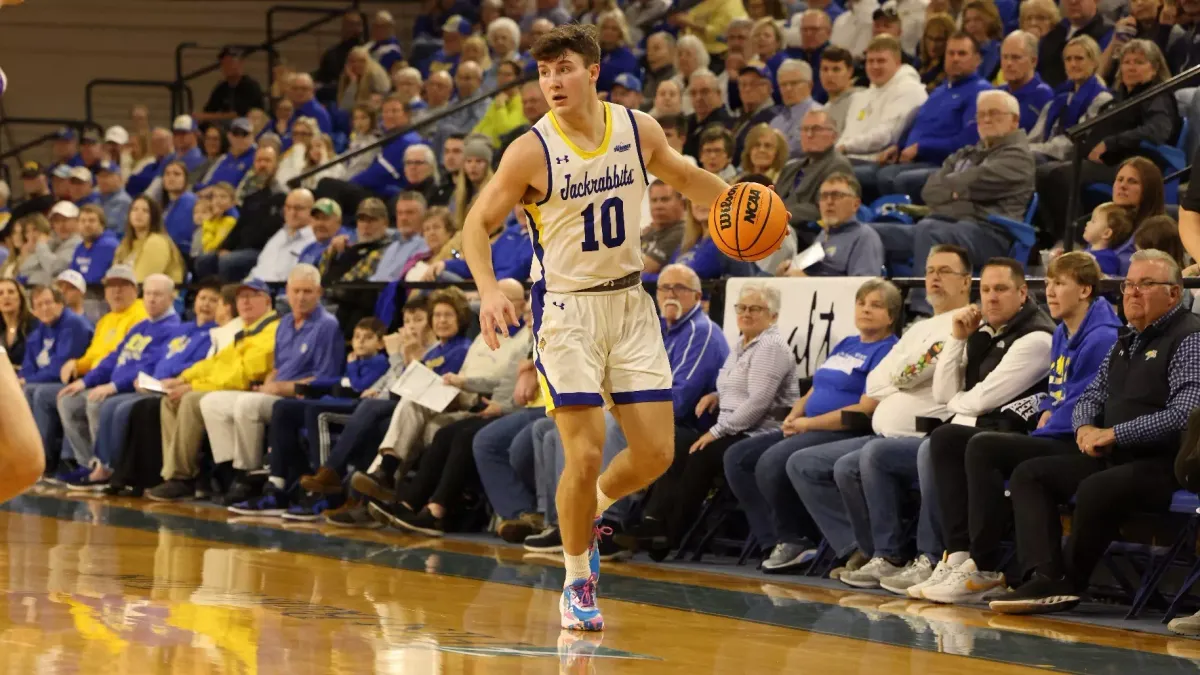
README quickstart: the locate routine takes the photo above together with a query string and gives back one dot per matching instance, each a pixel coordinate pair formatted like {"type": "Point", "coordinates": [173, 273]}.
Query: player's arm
{"type": "Point", "coordinates": [497, 199]}
{"type": "Point", "coordinates": [22, 459]}
{"type": "Point", "coordinates": [661, 159]}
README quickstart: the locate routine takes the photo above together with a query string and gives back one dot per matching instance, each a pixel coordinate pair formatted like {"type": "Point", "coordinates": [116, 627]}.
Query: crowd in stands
{"type": "Point", "coordinates": [904, 138]}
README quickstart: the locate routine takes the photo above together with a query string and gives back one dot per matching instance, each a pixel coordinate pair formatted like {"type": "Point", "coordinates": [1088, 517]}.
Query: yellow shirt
{"type": "Point", "coordinates": [715, 16]}
{"type": "Point", "coordinates": [111, 330]}
{"type": "Point", "coordinates": [156, 254]}
{"type": "Point", "coordinates": [213, 232]}
{"type": "Point", "coordinates": [249, 359]}
{"type": "Point", "coordinates": [501, 118]}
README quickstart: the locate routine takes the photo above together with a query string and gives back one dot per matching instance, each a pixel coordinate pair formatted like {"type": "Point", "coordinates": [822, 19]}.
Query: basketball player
{"type": "Point", "coordinates": [22, 460]}
{"type": "Point", "coordinates": [580, 174]}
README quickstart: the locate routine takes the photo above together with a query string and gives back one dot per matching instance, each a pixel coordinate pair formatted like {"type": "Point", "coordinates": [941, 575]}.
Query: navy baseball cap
{"type": "Point", "coordinates": [457, 24]}
{"type": "Point", "coordinates": [761, 71]}
{"type": "Point", "coordinates": [65, 134]}
{"type": "Point", "coordinates": [629, 81]}
{"type": "Point", "coordinates": [231, 50]}
{"type": "Point", "coordinates": [255, 285]}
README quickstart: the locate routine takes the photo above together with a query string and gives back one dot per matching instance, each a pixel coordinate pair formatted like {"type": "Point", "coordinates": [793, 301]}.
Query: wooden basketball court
{"type": "Point", "coordinates": [129, 587]}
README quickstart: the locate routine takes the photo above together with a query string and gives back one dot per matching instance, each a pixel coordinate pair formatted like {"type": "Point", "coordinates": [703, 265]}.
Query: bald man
{"type": "Point", "coordinates": [282, 251]}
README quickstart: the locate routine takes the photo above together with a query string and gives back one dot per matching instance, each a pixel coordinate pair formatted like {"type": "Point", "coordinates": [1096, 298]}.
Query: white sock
{"type": "Point", "coordinates": [603, 501]}
{"type": "Point", "coordinates": [577, 567]}
{"type": "Point", "coordinates": [957, 558]}
{"type": "Point", "coordinates": [278, 482]}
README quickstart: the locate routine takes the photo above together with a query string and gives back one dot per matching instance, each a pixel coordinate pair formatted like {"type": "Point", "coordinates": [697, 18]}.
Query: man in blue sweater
{"type": "Point", "coordinates": [113, 379]}
{"type": "Point", "coordinates": [1018, 62]}
{"type": "Point", "coordinates": [385, 176]}
{"type": "Point", "coordinates": [232, 166]}
{"type": "Point", "coordinates": [943, 124]}
{"type": "Point", "coordinates": [94, 255]}
{"type": "Point", "coordinates": [61, 335]}
{"type": "Point", "coordinates": [303, 92]}
{"type": "Point", "coordinates": [971, 465]}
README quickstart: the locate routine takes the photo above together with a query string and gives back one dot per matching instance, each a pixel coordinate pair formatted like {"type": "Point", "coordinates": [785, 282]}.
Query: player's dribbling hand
{"type": "Point", "coordinates": [496, 314]}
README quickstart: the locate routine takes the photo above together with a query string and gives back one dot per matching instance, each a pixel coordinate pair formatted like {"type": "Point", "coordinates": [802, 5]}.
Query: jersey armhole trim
{"type": "Point", "coordinates": [549, 171]}
{"type": "Point", "coordinates": [637, 142]}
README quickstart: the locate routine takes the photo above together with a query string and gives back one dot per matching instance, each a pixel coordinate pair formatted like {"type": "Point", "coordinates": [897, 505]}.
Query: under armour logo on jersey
{"type": "Point", "coordinates": [560, 305]}
{"type": "Point", "coordinates": [562, 160]}
{"type": "Point", "coordinates": [622, 147]}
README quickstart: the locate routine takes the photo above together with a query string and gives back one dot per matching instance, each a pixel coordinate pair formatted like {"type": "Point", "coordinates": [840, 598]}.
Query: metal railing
{"type": "Point", "coordinates": [176, 90]}
{"type": "Point", "coordinates": [78, 125]}
{"type": "Point", "coordinates": [1080, 132]}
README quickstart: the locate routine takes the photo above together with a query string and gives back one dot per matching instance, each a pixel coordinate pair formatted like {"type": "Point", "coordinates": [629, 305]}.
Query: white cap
{"type": "Point", "coordinates": [116, 134]}
{"type": "Point", "coordinates": [82, 174]}
{"type": "Point", "coordinates": [74, 278]}
{"type": "Point", "coordinates": [183, 123]}
{"type": "Point", "coordinates": [120, 273]}
{"type": "Point", "coordinates": [65, 209]}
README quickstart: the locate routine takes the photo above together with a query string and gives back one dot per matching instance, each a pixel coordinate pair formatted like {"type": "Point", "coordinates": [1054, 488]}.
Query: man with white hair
{"type": "Point", "coordinates": [439, 87]}
{"type": "Point", "coordinates": [467, 81]}
{"type": "Point", "coordinates": [993, 177]}
{"type": "Point", "coordinates": [384, 46]}
{"type": "Point", "coordinates": [708, 107]}
{"type": "Point", "coordinates": [814, 29]}
{"type": "Point", "coordinates": [661, 61]}
{"type": "Point", "coordinates": [421, 172]}
{"type": "Point", "coordinates": [112, 381]}
{"type": "Point", "coordinates": [302, 92]}
{"type": "Point", "coordinates": [406, 82]}
{"type": "Point", "coordinates": [1018, 62]}
{"type": "Point", "coordinates": [795, 81]}
{"type": "Point", "coordinates": [308, 345]}
{"type": "Point", "coordinates": [410, 213]}
{"type": "Point", "coordinates": [282, 251]}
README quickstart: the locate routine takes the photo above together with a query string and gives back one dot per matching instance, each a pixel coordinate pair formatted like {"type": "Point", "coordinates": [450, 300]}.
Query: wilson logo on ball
{"type": "Point", "coordinates": [726, 220]}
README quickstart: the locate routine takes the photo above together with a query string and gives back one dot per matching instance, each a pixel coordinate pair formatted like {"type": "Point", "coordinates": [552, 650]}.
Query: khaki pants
{"type": "Point", "coordinates": [182, 434]}
{"type": "Point", "coordinates": [237, 426]}
{"type": "Point", "coordinates": [411, 429]}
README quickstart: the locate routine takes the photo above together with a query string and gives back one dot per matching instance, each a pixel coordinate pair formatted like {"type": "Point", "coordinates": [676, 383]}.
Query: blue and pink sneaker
{"type": "Point", "coordinates": [578, 606]}
{"type": "Point", "coordinates": [598, 529]}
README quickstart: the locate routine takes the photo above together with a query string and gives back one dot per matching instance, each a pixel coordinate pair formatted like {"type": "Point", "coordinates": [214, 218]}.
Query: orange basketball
{"type": "Point", "coordinates": [748, 222]}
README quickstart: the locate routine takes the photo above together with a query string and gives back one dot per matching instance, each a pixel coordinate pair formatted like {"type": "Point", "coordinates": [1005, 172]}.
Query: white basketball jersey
{"type": "Point", "coordinates": [587, 230]}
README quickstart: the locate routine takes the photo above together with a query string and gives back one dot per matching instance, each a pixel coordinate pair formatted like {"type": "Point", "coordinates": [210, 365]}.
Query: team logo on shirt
{"type": "Point", "coordinates": [562, 160]}
{"type": "Point", "coordinates": [177, 345]}
{"type": "Point", "coordinates": [586, 185]}
{"type": "Point", "coordinates": [622, 147]}
{"type": "Point", "coordinates": [304, 348]}
{"type": "Point", "coordinates": [1151, 354]}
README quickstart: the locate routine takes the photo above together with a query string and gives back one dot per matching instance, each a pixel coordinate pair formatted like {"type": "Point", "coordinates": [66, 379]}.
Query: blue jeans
{"type": "Point", "coordinates": [43, 401]}
{"type": "Point", "coordinates": [502, 462]}
{"type": "Point", "coordinates": [888, 470]}
{"type": "Point", "coordinates": [826, 478]}
{"type": "Point", "coordinates": [756, 472]}
{"type": "Point", "coordinates": [550, 460]}
{"type": "Point", "coordinates": [360, 438]}
{"type": "Point", "coordinates": [113, 433]}
{"type": "Point", "coordinates": [891, 179]}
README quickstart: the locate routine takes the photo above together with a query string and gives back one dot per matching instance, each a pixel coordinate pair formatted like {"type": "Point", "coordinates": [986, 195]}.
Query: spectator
{"type": "Point", "coordinates": [439, 88]}
{"type": "Point", "coordinates": [79, 187]}
{"type": "Point", "coordinates": [22, 238]}
{"type": "Point", "coordinates": [73, 287]}
{"type": "Point", "coordinates": [160, 148]}
{"type": "Point", "coordinates": [981, 20]}
{"type": "Point", "coordinates": [709, 110]}
{"type": "Point", "coordinates": [627, 91]}
{"type": "Point", "coordinates": [446, 59]}
{"type": "Point", "coordinates": [475, 174]}
{"type": "Point", "coordinates": [16, 321]}
{"type": "Point", "coordinates": [326, 225]}
{"type": "Point", "coordinates": [716, 152]}
{"type": "Point", "coordinates": [1155, 121]}
{"type": "Point", "coordinates": [467, 80]}
{"type": "Point", "coordinates": [551, 10]}
{"type": "Point", "coordinates": [90, 149]}
{"type": "Point", "coordinates": [504, 40]}
{"type": "Point", "coordinates": [333, 61]}
{"type": "Point", "coordinates": [214, 146]}
{"type": "Point", "coordinates": [1018, 63]}
{"type": "Point", "coordinates": [364, 131]}
{"type": "Point", "coordinates": [647, 17]}
{"type": "Point", "coordinates": [186, 145]}
{"type": "Point", "coordinates": [853, 29]}
{"type": "Point", "coordinates": [117, 148]}
{"type": "Point", "coordinates": [851, 248]}
{"type": "Point", "coordinates": [1080, 17]}
{"type": "Point", "coordinates": [236, 94]}
{"type": "Point", "coordinates": [361, 78]}
{"type": "Point", "coordinates": [1039, 17]}
{"type": "Point", "coordinates": [1127, 438]}
{"type": "Point", "coordinates": [901, 386]}
{"type": "Point", "coordinates": [970, 465]}
{"type": "Point", "coordinates": [661, 240]}
{"type": "Point", "coordinates": [765, 153]}
{"type": "Point", "coordinates": [754, 86]}
{"type": "Point", "coordinates": [932, 50]}
{"type": "Point", "coordinates": [37, 192]}
{"type": "Point", "coordinates": [60, 337]}
{"type": "Point", "coordinates": [1081, 97]}
{"type": "Point", "coordinates": [1162, 234]}
{"type": "Point", "coordinates": [708, 21]}
{"type": "Point", "coordinates": [237, 367]}
{"type": "Point", "coordinates": [754, 386]}
{"type": "Point", "coordinates": [1143, 23]}
{"type": "Point", "coordinates": [533, 108]}
{"type": "Point", "coordinates": [1109, 228]}
{"type": "Point", "coordinates": [301, 91]}
{"type": "Point", "coordinates": [344, 261]}
{"type": "Point", "coordinates": [384, 47]}
{"type": "Point", "coordinates": [505, 112]}
{"type": "Point", "coordinates": [260, 217]}
{"type": "Point", "coordinates": [800, 179]}
{"type": "Point", "coordinates": [65, 149]}
{"type": "Point", "coordinates": [944, 124]}
{"type": "Point", "coordinates": [410, 213]}
{"type": "Point", "coordinates": [536, 30]}
{"type": "Point", "coordinates": [146, 246]}
{"type": "Point", "coordinates": [754, 468]}
{"type": "Point", "coordinates": [110, 194]}
{"type": "Point", "coordinates": [661, 63]}
{"type": "Point", "coordinates": [442, 242]}
{"type": "Point", "coordinates": [475, 48]}
{"type": "Point", "coordinates": [281, 125]}
{"type": "Point", "coordinates": [668, 100]}
{"type": "Point", "coordinates": [421, 172]}
{"type": "Point", "coordinates": [877, 117]}
{"type": "Point", "coordinates": [768, 47]}
{"type": "Point", "coordinates": [52, 253]}
{"type": "Point", "coordinates": [221, 217]}
{"type": "Point", "coordinates": [282, 251]}
{"type": "Point", "coordinates": [60, 182]}
{"type": "Point", "coordinates": [382, 178]}
{"type": "Point", "coordinates": [511, 253]}
{"type": "Point", "coordinates": [233, 165]}
{"type": "Point", "coordinates": [796, 86]}
{"type": "Point", "coordinates": [453, 157]}
{"type": "Point", "coordinates": [80, 403]}
{"type": "Point", "coordinates": [94, 254]}
{"type": "Point", "coordinates": [179, 202]}
{"type": "Point", "coordinates": [407, 83]}
{"type": "Point", "coordinates": [698, 252]}
{"type": "Point", "coordinates": [814, 31]}
{"type": "Point", "coordinates": [693, 58]}
{"type": "Point", "coordinates": [294, 160]}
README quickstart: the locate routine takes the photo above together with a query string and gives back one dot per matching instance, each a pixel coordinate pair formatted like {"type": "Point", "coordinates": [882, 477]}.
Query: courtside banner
{"type": "Point", "coordinates": [815, 314]}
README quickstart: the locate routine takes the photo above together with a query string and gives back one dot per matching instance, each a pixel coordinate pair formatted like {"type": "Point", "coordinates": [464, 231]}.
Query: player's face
{"type": "Point", "coordinates": [566, 82]}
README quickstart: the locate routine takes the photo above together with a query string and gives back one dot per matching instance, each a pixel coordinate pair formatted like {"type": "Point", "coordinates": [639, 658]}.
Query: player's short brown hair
{"type": "Point", "coordinates": [1078, 266]}
{"type": "Point", "coordinates": [571, 37]}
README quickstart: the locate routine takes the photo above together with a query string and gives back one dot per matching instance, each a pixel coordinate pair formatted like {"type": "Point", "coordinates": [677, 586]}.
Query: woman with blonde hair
{"type": "Point", "coordinates": [1039, 17]}
{"type": "Point", "coordinates": [362, 77]}
{"type": "Point", "coordinates": [981, 20]}
{"type": "Point", "coordinates": [475, 48]}
{"type": "Point", "coordinates": [931, 51]}
{"type": "Point", "coordinates": [616, 57]}
{"type": "Point", "coordinates": [1079, 99]}
{"type": "Point", "coordinates": [475, 174]}
{"type": "Point", "coordinates": [765, 153]}
{"type": "Point", "coordinates": [146, 246]}
{"type": "Point", "coordinates": [768, 40]}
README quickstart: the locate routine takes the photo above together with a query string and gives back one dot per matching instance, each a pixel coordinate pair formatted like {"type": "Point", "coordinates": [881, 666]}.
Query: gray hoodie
{"type": "Point", "coordinates": [984, 179]}
{"type": "Point", "coordinates": [48, 260]}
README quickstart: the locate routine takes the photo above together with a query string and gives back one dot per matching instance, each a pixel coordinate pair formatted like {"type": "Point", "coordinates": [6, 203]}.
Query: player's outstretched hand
{"type": "Point", "coordinates": [496, 314]}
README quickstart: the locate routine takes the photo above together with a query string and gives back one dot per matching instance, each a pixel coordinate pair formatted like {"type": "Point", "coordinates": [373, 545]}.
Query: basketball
{"type": "Point", "coordinates": [748, 222]}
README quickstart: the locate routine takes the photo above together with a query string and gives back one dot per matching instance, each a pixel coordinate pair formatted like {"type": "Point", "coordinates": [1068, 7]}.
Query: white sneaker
{"type": "Point", "coordinates": [940, 573]}
{"type": "Point", "coordinates": [917, 571]}
{"type": "Point", "coordinates": [1186, 625]}
{"type": "Point", "coordinates": [870, 574]}
{"type": "Point", "coordinates": [965, 584]}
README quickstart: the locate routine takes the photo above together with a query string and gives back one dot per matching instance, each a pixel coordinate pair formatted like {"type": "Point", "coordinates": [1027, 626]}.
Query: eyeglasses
{"type": "Point", "coordinates": [415, 162]}
{"type": "Point", "coordinates": [1142, 286]}
{"type": "Point", "coordinates": [944, 272]}
{"type": "Point", "coordinates": [814, 129]}
{"type": "Point", "coordinates": [753, 310]}
{"type": "Point", "coordinates": [833, 195]}
{"type": "Point", "coordinates": [992, 114]}
{"type": "Point", "coordinates": [676, 289]}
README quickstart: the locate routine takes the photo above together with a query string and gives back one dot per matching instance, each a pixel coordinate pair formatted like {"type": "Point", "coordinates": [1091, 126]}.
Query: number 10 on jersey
{"type": "Point", "coordinates": [612, 224]}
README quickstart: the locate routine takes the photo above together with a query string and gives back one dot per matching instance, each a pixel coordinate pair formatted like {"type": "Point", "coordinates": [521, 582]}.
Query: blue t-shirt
{"type": "Point", "coordinates": [842, 378]}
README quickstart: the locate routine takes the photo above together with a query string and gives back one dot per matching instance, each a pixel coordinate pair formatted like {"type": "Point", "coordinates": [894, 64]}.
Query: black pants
{"type": "Point", "coordinates": [446, 466]}
{"type": "Point", "coordinates": [1054, 187]}
{"type": "Point", "coordinates": [141, 462]}
{"type": "Point", "coordinates": [676, 497]}
{"type": "Point", "coordinates": [969, 468]}
{"type": "Point", "coordinates": [1105, 495]}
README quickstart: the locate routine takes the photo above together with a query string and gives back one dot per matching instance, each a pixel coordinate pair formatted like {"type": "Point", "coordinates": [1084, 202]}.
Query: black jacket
{"type": "Point", "coordinates": [261, 216]}
{"type": "Point", "coordinates": [1156, 121]}
{"type": "Point", "coordinates": [719, 116]}
{"type": "Point", "coordinates": [1050, 48]}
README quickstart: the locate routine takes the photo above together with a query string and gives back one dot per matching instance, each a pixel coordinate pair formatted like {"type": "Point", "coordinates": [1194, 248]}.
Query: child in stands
{"type": "Point", "coordinates": [1110, 227]}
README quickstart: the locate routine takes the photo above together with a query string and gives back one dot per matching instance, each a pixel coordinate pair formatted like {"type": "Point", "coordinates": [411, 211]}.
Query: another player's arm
{"type": "Point", "coordinates": [661, 159]}
{"type": "Point", "coordinates": [22, 459]}
{"type": "Point", "coordinates": [503, 192]}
